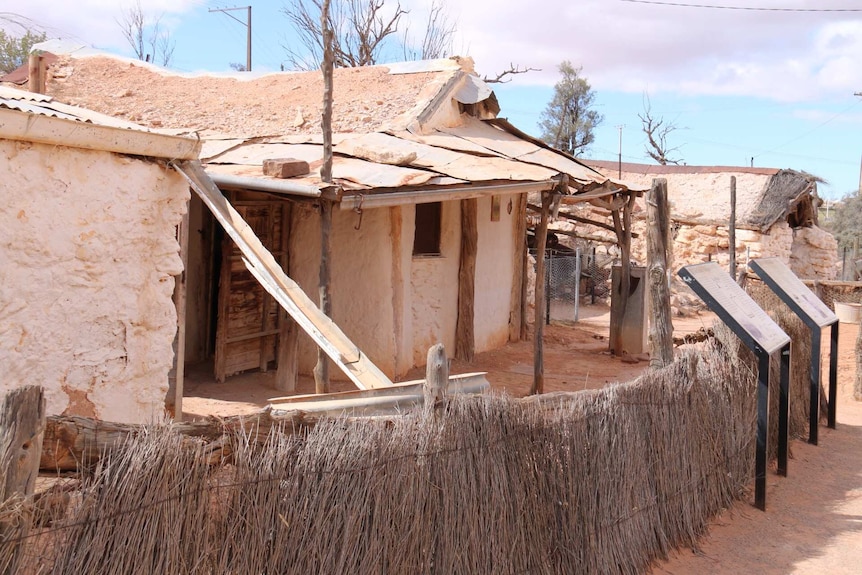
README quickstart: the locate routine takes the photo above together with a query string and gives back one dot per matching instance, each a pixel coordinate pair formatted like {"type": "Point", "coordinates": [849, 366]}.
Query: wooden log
{"type": "Point", "coordinates": [580, 219]}
{"type": "Point", "coordinates": [436, 376]}
{"type": "Point", "coordinates": [465, 323]}
{"type": "Point", "coordinates": [72, 443]}
{"type": "Point", "coordinates": [539, 306]}
{"type": "Point", "coordinates": [22, 423]}
{"type": "Point", "coordinates": [658, 248]}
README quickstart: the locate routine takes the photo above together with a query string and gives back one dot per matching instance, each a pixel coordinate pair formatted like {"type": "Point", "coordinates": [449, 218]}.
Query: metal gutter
{"type": "Point", "coordinates": [425, 195]}
{"type": "Point", "coordinates": [225, 181]}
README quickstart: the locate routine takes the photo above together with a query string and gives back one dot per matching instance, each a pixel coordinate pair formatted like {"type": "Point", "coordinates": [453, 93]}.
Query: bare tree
{"type": "Point", "coordinates": [148, 40]}
{"type": "Point", "coordinates": [359, 29]}
{"type": "Point", "coordinates": [437, 40]}
{"type": "Point", "coordinates": [657, 131]}
{"type": "Point", "coordinates": [505, 76]}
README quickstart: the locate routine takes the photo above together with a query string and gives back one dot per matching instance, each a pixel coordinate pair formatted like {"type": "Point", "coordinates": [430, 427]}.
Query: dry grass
{"type": "Point", "coordinates": [592, 482]}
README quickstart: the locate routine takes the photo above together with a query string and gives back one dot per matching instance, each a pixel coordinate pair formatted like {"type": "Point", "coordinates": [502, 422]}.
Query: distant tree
{"type": "Point", "coordinates": [437, 39]}
{"type": "Point", "coordinates": [657, 131]}
{"type": "Point", "coordinates": [149, 41]}
{"type": "Point", "coordinates": [367, 32]}
{"type": "Point", "coordinates": [845, 222]}
{"type": "Point", "coordinates": [567, 122]}
{"type": "Point", "coordinates": [14, 51]}
{"type": "Point", "coordinates": [238, 67]}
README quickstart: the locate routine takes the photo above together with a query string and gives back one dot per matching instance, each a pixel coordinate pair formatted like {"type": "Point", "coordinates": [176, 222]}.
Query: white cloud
{"type": "Point", "coordinates": [93, 22]}
{"type": "Point", "coordinates": [626, 46]}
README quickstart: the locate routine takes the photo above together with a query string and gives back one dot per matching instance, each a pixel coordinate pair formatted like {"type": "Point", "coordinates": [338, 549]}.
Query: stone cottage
{"type": "Point", "coordinates": [776, 215]}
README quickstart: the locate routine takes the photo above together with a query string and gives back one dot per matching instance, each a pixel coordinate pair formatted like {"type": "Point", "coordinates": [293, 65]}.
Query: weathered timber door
{"type": "Point", "coordinates": [248, 318]}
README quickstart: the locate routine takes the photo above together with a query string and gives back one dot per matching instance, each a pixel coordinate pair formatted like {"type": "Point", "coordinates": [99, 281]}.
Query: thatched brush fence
{"type": "Point", "coordinates": [591, 482]}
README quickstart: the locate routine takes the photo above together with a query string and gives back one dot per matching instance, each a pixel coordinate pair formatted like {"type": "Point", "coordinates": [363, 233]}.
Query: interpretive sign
{"type": "Point", "coordinates": [763, 336]}
{"type": "Point", "coordinates": [816, 315]}
{"type": "Point", "coordinates": [793, 292]}
{"type": "Point", "coordinates": [735, 307]}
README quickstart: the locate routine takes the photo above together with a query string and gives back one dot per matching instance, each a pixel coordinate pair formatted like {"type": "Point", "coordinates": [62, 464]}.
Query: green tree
{"type": "Point", "coordinates": [14, 51]}
{"type": "Point", "coordinates": [567, 122]}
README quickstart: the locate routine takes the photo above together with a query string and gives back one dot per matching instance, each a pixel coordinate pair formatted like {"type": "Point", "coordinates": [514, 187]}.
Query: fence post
{"type": "Point", "coordinates": [658, 249]}
{"type": "Point", "coordinates": [548, 272]}
{"type": "Point", "coordinates": [731, 231]}
{"type": "Point", "coordinates": [436, 375]}
{"type": "Point", "coordinates": [22, 425]}
{"type": "Point", "coordinates": [577, 282]}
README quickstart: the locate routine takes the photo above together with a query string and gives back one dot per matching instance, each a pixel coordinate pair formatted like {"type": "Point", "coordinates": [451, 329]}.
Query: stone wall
{"type": "Point", "coordinates": [89, 256]}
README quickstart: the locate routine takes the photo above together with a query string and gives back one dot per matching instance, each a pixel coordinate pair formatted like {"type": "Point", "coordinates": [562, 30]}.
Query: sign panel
{"type": "Point", "coordinates": [735, 307]}
{"type": "Point", "coordinates": [793, 292]}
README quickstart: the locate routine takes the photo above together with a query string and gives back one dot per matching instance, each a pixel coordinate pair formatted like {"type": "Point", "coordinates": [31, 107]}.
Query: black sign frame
{"type": "Point", "coordinates": [715, 287]}
{"type": "Point", "coordinates": [788, 287]}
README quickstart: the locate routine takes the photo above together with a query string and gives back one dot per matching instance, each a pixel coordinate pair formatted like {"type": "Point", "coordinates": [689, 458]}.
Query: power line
{"type": "Point", "coordinates": [745, 8]}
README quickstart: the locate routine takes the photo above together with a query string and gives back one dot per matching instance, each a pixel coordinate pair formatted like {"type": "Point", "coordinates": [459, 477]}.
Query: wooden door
{"type": "Point", "coordinates": [248, 317]}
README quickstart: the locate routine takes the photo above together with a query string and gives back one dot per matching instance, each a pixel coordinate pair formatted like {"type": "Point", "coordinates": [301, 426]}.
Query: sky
{"type": "Point", "coordinates": [768, 83]}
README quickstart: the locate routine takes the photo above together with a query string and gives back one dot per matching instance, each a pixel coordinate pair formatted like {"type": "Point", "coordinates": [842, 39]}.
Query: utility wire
{"type": "Point", "coordinates": [746, 8]}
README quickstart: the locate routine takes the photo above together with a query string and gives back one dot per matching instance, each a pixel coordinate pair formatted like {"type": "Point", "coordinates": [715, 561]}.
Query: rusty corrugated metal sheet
{"type": "Point", "coordinates": [42, 105]}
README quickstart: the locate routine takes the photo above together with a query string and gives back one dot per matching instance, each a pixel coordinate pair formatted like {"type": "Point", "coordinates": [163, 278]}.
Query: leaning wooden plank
{"type": "Point", "coordinates": [263, 266]}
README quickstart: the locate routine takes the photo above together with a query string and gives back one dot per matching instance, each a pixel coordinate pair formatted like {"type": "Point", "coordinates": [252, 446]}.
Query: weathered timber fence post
{"type": "Point", "coordinates": [731, 230]}
{"type": "Point", "coordinates": [658, 248]}
{"type": "Point", "coordinates": [436, 376]}
{"type": "Point", "coordinates": [22, 425]}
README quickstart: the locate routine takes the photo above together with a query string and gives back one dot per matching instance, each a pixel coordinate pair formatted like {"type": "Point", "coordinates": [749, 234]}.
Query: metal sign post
{"type": "Point", "coordinates": [763, 336]}
{"type": "Point", "coordinates": [814, 314]}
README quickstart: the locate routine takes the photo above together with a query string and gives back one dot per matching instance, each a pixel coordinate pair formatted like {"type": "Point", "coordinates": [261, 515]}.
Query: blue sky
{"type": "Point", "coordinates": [776, 84]}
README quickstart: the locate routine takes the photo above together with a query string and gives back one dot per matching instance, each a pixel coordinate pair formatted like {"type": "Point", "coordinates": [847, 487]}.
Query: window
{"type": "Point", "coordinates": [426, 241]}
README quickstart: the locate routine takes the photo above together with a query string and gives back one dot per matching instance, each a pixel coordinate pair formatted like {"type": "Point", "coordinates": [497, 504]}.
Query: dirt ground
{"type": "Point", "coordinates": [576, 357]}
{"type": "Point", "coordinates": [813, 522]}
{"type": "Point", "coordinates": [813, 518]}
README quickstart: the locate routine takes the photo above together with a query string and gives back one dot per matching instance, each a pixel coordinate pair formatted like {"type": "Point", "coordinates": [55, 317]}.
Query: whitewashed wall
{"type": "Point", "coordinates": [89, 252]}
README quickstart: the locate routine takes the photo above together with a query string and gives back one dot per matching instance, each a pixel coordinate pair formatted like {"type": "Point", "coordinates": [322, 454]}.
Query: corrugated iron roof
{"type": "Point", "coordinates": [42, 105]}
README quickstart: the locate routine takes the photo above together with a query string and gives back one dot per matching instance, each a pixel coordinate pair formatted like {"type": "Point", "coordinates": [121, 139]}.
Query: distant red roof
{"type": "Point", "coordinates": [21, 74]}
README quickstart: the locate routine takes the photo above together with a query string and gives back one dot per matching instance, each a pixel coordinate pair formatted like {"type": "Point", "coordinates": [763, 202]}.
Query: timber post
{"type": "Point", "coordinates": [436, 376]}
{"type": "Point", "coordinates": [321, 370]}
{"type": "Point", "coordinates": [539, 306]}
{"type": "Point", "coordinates": [22, 427]}
{"type": "Point", "coordinates": [731, 230]}
{"type": "Point", "coordinates": [465, 341]}
{"type": "Point", "coordinates": [658, 249]}
{"type": "Point", "coordinates": [623, 229]}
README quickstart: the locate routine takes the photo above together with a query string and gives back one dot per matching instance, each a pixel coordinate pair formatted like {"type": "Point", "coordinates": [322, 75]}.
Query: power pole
{"type": "Point", "coordinates": [620, 155]}
{"type": "Point", "coordinates": [247, 24]}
